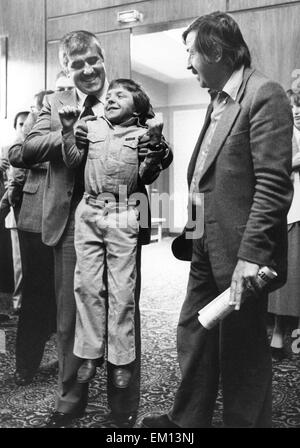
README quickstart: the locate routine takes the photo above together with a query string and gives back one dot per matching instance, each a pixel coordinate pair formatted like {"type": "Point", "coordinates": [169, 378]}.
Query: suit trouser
{"type": "Point", "coordinates": [38, 312]}
{"type": "Point", "coordinates": [6, 262]}
{"type": "Point", "coordinates": [237, 350]}
{"type": "Point", "coordinates": [72, 396]}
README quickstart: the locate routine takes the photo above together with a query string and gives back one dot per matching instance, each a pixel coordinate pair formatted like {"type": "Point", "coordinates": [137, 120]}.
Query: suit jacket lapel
{"type": "Point", "coordinates": [225, 124]}
{"type": "Point", "coordinates": [193, 160]}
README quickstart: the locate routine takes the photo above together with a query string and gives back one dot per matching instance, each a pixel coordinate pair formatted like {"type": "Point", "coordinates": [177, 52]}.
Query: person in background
{"type": "Point", "coordinates": [241, 191]}
{"type": "Point", "coordinates": [38, 311]}
{"type": "Point", "coordinates": [81, 57]}
{"type": "Point", "coordinates": [63, 82]}
{"type": "Point", "coordinates": [286, 300]}
{"type": "Point", "coordinates": [6, 264]}
{"type": "Point", "coordinates": [12, 212]}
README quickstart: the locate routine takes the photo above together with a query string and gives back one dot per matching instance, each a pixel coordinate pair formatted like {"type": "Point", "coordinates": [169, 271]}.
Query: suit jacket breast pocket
{"type": "Point", "coordinates": [238, 138]}
{"type": "Point", "coordinates": [30, 187]}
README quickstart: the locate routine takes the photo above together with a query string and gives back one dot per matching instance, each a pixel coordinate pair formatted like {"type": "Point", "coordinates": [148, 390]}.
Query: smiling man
{"type": "Point", "coordinates": [81, 57]}
{"type": "Point", "coordinates": [239, 176]}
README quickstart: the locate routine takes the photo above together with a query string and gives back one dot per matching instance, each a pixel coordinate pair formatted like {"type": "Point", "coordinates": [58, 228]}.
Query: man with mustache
{"type": "Point", "coordinates": [81, 57]}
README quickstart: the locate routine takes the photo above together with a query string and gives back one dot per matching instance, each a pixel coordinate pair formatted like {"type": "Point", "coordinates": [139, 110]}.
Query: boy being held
{"type": "Point", "coordinates": [101, 238]}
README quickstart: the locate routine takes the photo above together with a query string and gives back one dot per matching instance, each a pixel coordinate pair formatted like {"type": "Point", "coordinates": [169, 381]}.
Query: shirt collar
{"type": "Point", "coordinates": [133, 121]}
{"type": "Point", "coordinates": [297, 135]}
{"type": "Point", "coordinates": [101, 97]}
{"type": "Point", "coordinates": [234, 83]}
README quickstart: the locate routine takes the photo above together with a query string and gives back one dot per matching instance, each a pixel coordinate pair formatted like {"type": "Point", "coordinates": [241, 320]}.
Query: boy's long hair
{"type": "Point", "coordinates": [141, 100]}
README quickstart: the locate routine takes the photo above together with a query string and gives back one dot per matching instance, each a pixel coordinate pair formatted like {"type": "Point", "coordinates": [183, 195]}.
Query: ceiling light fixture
{"type": "Point", "coordinates": [130, 16]}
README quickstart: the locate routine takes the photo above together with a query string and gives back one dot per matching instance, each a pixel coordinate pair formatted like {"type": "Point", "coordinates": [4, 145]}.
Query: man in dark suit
{"type": "Point", "coordinates": [239, 183]}
{"type": "Point", "coordinates": [37, 315]}
{"type": "Point", "coordinates": [6, 263]}
{"type": "Point", "coordinates": [82, 59]}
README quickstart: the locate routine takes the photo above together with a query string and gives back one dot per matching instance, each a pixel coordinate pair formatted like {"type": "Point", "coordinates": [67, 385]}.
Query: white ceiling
{"type": "Point", "coordinates": [161, 56]}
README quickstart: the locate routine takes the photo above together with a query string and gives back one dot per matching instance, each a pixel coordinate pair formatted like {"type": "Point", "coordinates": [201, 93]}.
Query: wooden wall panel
{"type": "Point", "coordinates": [24, 24]}
{"type": "Point", "coordinates": [65, 7]}
{"type": "Point", "coordinates": [3, 76]}
{"type": "Point", "coordinates": [234, 5]}
{"type": "Point", "coordinates": [273, 36]}
{"type": "Point", "coordinates": [154, 11]}
{"type": "Point", "coordinates": [117, 53]}
{"type": "Point", "coordinates": [116, 47]}
{"type": "Point", "coordinates": [53, 65]}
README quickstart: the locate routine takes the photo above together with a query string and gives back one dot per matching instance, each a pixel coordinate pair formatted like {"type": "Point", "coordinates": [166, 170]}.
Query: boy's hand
{"type": "Point", "coordinates": [81, 132]}
{"type": "Point", "coordinates": [151, 144]}
{"type": "Point", "coordinates": [152, 138]}
{"type": "Point", "coordinates": [4, 164]}
{"type": "Point", "coordinates": [68, 116]}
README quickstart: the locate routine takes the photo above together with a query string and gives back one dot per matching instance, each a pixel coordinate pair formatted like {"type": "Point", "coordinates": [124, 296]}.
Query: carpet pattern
{"type": "Point", "coordinates": [164, 285]}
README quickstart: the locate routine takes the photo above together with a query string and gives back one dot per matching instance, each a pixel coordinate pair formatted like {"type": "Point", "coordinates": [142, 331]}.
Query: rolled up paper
{"type": "Point", "coordinates": [219, 308]}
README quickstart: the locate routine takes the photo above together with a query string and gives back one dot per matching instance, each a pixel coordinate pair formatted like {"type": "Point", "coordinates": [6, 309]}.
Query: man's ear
{"type": "Point", "coordinates": [217, 53]}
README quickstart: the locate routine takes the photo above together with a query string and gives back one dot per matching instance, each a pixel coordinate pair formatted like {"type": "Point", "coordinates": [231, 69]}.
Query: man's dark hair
{"type": "Point", "coordinates": [77, 42]}
{"type": "Point", "coordinates": [220, 31]}
{"type": "Point", "coordinates": [23, 112]}
{"type": "Point", "coordinates": [140, 98]}
{"type": "Point", "coordinates": [40, 97]}
{"type": "Point", "coordinates": [294, 97]}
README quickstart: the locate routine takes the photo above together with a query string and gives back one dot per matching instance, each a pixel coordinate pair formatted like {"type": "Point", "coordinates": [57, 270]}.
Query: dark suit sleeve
{"type": "Point", "coordinates": [4, 207]}
{"type": "Point", "coordinates": [15, 155]}
{"type": "Point", "coordinates": [72, 155]}
{"type": "Point", "coordinates": [42, 144]}
{"type": "Point", "coordinates": [15, 185]}
{"type": "Point", "coordinates": [271, 127]}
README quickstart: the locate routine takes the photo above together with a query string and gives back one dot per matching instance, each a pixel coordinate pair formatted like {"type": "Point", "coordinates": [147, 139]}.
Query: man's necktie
{"type": "Point", "coordinates": [78, 191]}
{"type": "Point", "coordinates": [213, 94]}
{"type": "Point", "coordinates": [88, 104]}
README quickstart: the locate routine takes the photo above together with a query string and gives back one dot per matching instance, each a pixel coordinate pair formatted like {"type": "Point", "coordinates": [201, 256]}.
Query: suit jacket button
{"type": "Point", "coordinates": [69, 193]}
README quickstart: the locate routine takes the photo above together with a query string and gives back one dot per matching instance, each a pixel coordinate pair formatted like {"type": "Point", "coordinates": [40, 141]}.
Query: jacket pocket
{"type": "Point", "coordinates": [238, 138]}
{"type": "Point", "coordinates": [96, 145]}
{"type": "Point", "coordinates": [30, 188]}
{"type": "Point", "coordinates": [129, 152]}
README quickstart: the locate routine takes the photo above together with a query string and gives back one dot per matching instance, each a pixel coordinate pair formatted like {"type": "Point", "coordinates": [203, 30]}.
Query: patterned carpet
{"type": "Point", "coordinates": [164, 284]}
